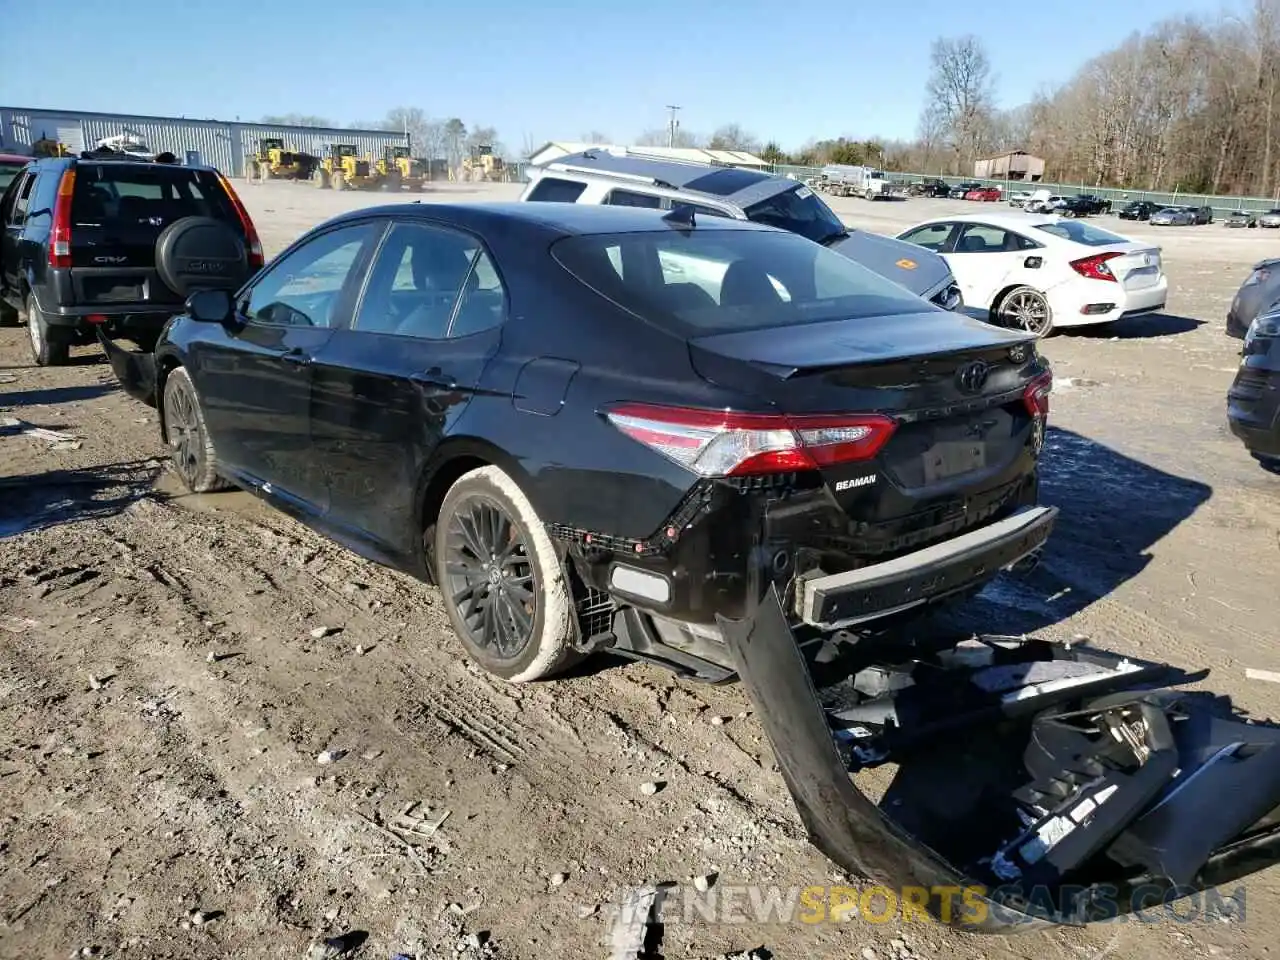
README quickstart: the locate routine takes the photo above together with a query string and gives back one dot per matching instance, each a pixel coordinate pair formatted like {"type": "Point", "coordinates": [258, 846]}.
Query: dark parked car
{"type": "Point", "coordinates": [724, 448]}
{"type": "Point", "coordinates": [1241, 218]}
{"type": "Point", "coordinates": [1076, 207]}
{"type": "Point", "coordinates": [81, 236]}
{"type": "Point", "coordinates": [1260, 293]}
{"type": "Point", "coordinates": [1139, 210]}
{"type": "Point", "coordinates": [1202, 214]}
{"type": "Point", "coordinates": [1094, 204]}
{"type": "Point", "coordinates": [553, 408]}
{"type": "Point", "coordinates": [931, 188]}
{"type": "Point", "coordinates": [960, 189]}
{"type": "Point", "coordinates": [1253, 402]}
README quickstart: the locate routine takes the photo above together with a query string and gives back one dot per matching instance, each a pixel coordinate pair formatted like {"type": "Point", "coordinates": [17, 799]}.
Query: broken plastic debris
{"type": "Point", "coordinates": [330, 756]}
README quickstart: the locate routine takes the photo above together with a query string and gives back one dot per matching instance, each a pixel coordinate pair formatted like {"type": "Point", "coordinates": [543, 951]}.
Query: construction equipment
{"type": "Point", "coordinates": [482, 165]}
{"type": "Point", "coordinates": [399, 170]}
{"type": "Point", "coordinates": [274, 162]}
{"type": "Point", "coordinates": [342, 169]}
{"type": "Point", "coordinates": [48, 147]}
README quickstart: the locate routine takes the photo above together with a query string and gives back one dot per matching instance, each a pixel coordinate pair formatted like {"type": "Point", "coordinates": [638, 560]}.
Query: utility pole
{"type": "Point", "coordinates": [672, 126]}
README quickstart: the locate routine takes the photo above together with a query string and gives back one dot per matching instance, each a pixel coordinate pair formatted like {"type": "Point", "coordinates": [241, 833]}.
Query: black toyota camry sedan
{"type": "Point", "coordinates": [592, 426]}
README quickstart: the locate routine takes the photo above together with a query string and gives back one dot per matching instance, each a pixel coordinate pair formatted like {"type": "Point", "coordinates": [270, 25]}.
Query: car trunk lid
{"type": "Point", "coordinates": [956, 388]}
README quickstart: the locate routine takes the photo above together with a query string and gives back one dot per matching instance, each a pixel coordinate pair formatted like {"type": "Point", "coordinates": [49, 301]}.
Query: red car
{"type": "Point", "coordinates": [991, 194]}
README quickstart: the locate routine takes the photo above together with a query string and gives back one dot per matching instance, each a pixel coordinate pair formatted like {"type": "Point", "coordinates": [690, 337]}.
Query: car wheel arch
{"type": "Point", "coordinates": [999, 298]}
{"type": "Point", "coordinates": [165, 365]}
{"type": "Point", "coordinates": [455, 457]}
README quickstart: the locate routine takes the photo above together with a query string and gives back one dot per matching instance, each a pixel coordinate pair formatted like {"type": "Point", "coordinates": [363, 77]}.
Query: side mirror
{"type": "Point", "coordinates": [210, 306]}
{"type": "Point", "coordinates": [1032, 263]}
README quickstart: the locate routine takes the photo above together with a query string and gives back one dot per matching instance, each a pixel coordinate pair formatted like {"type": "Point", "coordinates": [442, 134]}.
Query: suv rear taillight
{"type": "Point", "coordinates": [60, 234]}
{"type": "Point", "coordinates": [1036, 396]}
{"type": "Point", "coordinates": [720, 443]}
{"type": "Point", "coordinates": [1095, 267]}
{"type": "Point", "coordinates": [256, 258]}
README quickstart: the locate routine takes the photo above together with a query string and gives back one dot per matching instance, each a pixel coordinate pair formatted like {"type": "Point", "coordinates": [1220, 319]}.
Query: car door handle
{"type": "Point", "coordinates": [296, 357]}
{"type": "Point", "coordinates": [435, 377]}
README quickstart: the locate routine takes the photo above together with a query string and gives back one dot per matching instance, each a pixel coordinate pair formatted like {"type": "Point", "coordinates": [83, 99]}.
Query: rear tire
{"type": "Point", "coordinates": [50, 345]}
{"type": "Point", "coordinates": [503, 585]}
{"type": "Point", "coordinates": [1026, 308]}
{"type": "Point", "coordinates": [194, 459]}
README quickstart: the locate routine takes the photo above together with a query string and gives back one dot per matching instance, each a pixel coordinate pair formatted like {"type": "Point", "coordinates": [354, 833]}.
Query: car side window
{"type": "Point", "coordinates": [931, 236]}
{"type": "Point", "coordinates": [22, 200]}
{"type": "Point", "coordinates": [9, 198]}
{"type": "Point", "coordinates": [984, 238]}
{"type": "Point", "coordinates": [630, 198]}
{"type": "Point", "coordinates": [555, 190]}
{"type": "Point", "coordinates": [303, 287]}
{"type": "Point", "coordinates": [426, 279]}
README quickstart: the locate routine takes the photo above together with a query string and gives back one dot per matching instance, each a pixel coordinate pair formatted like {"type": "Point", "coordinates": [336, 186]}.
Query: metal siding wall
{"type": "Point", "coordinates": [211, 139]}
{"type": "Point", "coordinates": [15, 131]}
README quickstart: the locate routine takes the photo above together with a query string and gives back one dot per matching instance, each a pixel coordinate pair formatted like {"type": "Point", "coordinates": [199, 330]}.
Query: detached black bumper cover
{"type": "Point", "coordinates": [135, 370]}
{"type": "Point", "coordinates": [1035, 784]}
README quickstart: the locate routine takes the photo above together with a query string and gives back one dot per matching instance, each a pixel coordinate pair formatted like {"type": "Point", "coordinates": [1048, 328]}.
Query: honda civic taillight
{"type": "Point", "coordinates": [1095, 267]}
{"type": "Point", "coordinates": [256, 258]}
{"type": "Point", "coordinates": [721, 443]}
{"type": "Point", "coordinates": [60, 233]}
{"type": "Point", "coordinates": [1036, 395]}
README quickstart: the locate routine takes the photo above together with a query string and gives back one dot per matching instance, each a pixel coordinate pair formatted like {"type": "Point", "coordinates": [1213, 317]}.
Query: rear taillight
{"type": "Point", "coordinates": [60, 234]}
{"type": "Point", "coordinates": [1095, 267]}
{"type": "Point", "coordinates": [1036, 395]}
{"type": "Point", "coordinates": [256, 258]}
{"type": "Point", "coordinates": [719, 443]}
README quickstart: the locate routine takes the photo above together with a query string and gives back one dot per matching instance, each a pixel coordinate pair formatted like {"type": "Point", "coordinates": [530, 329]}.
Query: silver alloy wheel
{"type": "Point", "coordinates": [1027, 310]}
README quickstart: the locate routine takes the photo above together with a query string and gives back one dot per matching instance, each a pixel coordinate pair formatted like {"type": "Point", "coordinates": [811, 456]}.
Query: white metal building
{"type": "Point", "coordinates": [220, 143]}
{"type": "Point", "coordinates": [556, 149]}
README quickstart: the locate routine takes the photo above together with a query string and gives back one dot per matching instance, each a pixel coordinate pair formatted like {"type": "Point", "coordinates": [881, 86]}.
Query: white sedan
{"type": "Point", "coordinates": [1040, 271]}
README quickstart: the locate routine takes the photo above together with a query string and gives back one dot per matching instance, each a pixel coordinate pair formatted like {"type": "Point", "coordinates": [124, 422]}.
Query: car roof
{"type": "Point", "coordinates": [569, 219]}
{"type": "Point", "coordinates": [15, 158]}
{"type": "Point", "coordinates": [1009, 221]}
{"type": "Point", "coordinates": [734, 184]}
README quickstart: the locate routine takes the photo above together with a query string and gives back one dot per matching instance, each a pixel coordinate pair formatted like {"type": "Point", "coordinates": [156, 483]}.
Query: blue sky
{"type": "Point", "coordinates": [549, 70]}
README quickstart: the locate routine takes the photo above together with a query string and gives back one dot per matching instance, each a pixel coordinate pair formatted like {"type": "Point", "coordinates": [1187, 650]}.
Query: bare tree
{"type": "Point", "coordinates": [960, 90]}
{"type": "Point", "coordinates": [731, 136]}
{"type": "Point", "coordinates": [659, 137]}
{"type": "Point", "coordinates": [595, 136]}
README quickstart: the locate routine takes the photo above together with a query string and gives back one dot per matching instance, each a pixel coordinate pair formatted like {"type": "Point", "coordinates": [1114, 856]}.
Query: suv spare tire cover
{"type": "Point", "coordinates": [201, 253]}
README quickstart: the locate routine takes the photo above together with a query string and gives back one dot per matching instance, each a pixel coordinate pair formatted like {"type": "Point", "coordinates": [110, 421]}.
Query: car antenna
{"type": "Point", "coordinates": [681, 215]}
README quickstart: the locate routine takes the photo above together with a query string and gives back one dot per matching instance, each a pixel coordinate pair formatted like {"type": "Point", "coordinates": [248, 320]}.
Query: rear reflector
{"type": "Point", "coordinates": [1093, 309]}
{"type": "Point", "coordinates": [721, 443]}
{"type": "Point", "coordinates": [96, 318]}
{"type": "Point", "coordinates": [60, 230]}
{"type": "Point", "coordinates": [640, 583]}
{"type": "Point", "coordinates": [1095, 267]}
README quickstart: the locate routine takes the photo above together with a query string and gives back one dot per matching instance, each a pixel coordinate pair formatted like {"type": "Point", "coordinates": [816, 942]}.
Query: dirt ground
{"type": "Point", "coordinates": [174, 669]}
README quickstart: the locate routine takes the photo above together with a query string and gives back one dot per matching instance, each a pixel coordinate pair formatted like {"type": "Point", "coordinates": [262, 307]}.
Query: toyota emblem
{"type": "Point", "coordinates": [973, 376]}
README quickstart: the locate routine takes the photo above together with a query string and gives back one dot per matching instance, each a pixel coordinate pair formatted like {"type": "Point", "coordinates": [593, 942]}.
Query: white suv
{"type": "Point", "coordinates": [628, 178]}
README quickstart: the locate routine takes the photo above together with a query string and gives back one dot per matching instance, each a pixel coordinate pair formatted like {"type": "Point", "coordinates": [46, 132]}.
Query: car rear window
{"type": "Point", "coordinates": [798, 210]}
{"type": "Point", "coordinates": [116, 194]}
{"type": "Point", "coordinates": [713, 281]}
{"type": "Point", "coordinates": [555, 190]}
{"type": "Point", "coordinates": [1090, 236]}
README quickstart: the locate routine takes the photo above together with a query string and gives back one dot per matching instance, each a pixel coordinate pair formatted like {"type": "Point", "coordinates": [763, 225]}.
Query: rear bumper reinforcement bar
{"type": "Point", "coordinates": [844, 599]}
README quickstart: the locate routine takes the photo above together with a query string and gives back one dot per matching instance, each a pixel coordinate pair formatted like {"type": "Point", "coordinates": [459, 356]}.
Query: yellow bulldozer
{"type": "Point", "coordinates": [399, 170]}
{"type": "Point", "coordinates": [274, 162]}
{"type": "Point", "coordinates": [48, 147]}
{"type": "Point", "coordinates": [482, 164]}
{"type": "Point", "coordinates": [342, 169]}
